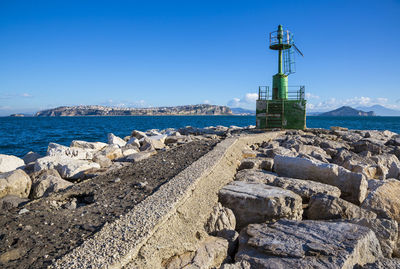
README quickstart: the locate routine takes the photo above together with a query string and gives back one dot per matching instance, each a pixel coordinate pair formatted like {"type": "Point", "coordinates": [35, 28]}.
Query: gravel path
{"type": "Point", "coordinates": [51, 228]}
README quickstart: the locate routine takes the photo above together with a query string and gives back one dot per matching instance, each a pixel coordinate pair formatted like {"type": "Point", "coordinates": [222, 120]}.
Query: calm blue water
{"type": "Point", "coordinates": [20, 135]}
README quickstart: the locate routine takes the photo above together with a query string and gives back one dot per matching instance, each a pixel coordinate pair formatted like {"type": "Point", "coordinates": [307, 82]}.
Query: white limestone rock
{"type": "Point", "coordinates": [88, 145]}
{"type": "Point", "coordinates": [384, 199]}
{"type": "Point", "coordinates": [134, 141]}
{"type": "Point", "coordinates": [67, 167]}
{"type": "Point", "coordinates": [115, 140]}
{"type": "Point", "coordinates": [112, 152]}
{"type": "Point", "coordinates": [9, 163]}
{"type": "Point", "coordinates": [15, 182]}
{"type": "Point", "coordinates": [352, 185]}
{"type": "Point", "coordinates": [256, 203]}
{"type": "Point", "coordinates": [58, 150]}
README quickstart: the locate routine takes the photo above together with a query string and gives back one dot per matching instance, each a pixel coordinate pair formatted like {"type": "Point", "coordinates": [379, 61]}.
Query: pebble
{"type": "Point", "coordinates": [22, 211]}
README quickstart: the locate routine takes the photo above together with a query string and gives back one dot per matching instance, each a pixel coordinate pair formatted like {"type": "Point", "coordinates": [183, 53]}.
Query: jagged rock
{"type": "Point", "coordinates": [325, 207]}
{"type": "Point", "coordinates": [15, 182]}
{"type": "Point", "coordinates": [134, 141]}
{"type": "Point", "coordinates": [112, 152]}
{"type": "Point", "coordinates": [129, 151]}
{"type": "Point", "coordinates": [31, 157]}
{"type": "Point", "coordinates": [146, 145]}
{"type": "Point", "coordinates": [255, 176]}
{"type": "Point", "coordinates": [221, 218]}
{"type": "Point", "coordinates": [237, 265]}
{"type": "Point", "coordinates": [383, 263]}
{"type": "Point", "coordinates": [255, 202]}
{"type": "Point", "coordinates": [307, 244]}
{"type": "Point", "coordinates": [304, 188]}
{"type": "Point", "coordinates": [67, 167]}
{"type": "Point", "coordinates": [211, 253]}
{"type": "Point", "coordinates": [267, 164]}
{"type": "Point", "coordinates": [88, 145]}
{"type": "Point", "coordinates": [384, 200]}
{"type": "Point", "coordinates": [313, 151]}
{"type": "Point", "coordinates": [271, 153]}
{"type": "Point", "coordinates": [58, 150]}
{"type": "Point", "coordinates": [138, 134]}
{"type": "Point", "coordinates": [137, 157]}
{"type": "Point", "coordinates": [9, 163]}
{"type": "Point", "coordinates": [367, 145]}
{"type": "Point", "coordinates": [390, 162]}
{"type": "Point", "coordinates": [352, 185]}
{"type": "Point", "coordinates": [46, 183]}
{"type": "Point", "coordinates": [386, 230]}
{"type": "Point", "coordinates": [102, 160]}
{"type": "Point", "coordinates": [11, 201]}
{"type": "Point", "coordinates": [115, 140]}
{"type": "Point", "coordinates": [156, 141]}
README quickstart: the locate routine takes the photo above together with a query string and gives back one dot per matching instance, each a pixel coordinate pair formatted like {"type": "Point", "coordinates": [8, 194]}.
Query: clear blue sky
{"type": "Point", "coordinates": [166, 53]}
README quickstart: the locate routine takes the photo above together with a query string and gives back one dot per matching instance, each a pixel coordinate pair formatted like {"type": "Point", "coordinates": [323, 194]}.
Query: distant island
{"type": "Point", "coordinates": [346, 111]}
{"type": "Point", "coordinates": [69, 111]}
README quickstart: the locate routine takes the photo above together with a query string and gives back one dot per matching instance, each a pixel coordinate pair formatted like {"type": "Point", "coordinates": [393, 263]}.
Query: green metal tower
{"type": "Point", "coordinates": [282, 109]}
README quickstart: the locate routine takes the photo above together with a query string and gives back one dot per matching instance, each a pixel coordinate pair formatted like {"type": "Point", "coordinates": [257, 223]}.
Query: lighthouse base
{"type": "Point", "coordinates": [282, 114]}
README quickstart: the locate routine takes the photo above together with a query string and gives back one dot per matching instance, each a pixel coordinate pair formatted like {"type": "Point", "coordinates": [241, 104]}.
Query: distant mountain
{"type": "Point", "coordinates": [380, 110]}
{"type": "Point", "coordinates": [242, 111]}
{"type": "Point", "coordinates": [66, 111]}
{"type": "Point", "coordinates": [346, 111]}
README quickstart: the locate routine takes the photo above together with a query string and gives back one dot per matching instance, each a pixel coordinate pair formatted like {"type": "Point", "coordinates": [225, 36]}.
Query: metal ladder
{"type": "Point", "coordinates": [275, 116]}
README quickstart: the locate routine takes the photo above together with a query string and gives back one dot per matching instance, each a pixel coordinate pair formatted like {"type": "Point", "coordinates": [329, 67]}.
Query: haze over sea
{"type": "Point", "coordinates": [21, 135]}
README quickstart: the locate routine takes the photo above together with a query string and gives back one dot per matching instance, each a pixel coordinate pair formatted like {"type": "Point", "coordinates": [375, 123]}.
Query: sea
{"type": "Point", "coordinates": [19, 135]}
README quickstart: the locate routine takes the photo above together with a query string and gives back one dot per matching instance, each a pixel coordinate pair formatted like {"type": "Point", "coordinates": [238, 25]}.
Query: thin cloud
{"type": "Point", "coordinates": [334, 103]}
{"type": "Point", "coordinates": [247, 101]}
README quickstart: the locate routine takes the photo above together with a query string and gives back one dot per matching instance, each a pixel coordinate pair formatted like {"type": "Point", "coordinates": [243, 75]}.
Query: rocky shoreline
{"type": "Point", "coordinates": [315, 198]}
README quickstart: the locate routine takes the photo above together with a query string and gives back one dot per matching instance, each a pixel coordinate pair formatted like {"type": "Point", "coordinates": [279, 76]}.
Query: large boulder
{"type": "Point", "coordinates": [67, 167]}
{"type": "Point", "coordinates": [15, 182]}
{"type": "Point", "coordinates": [325, 207]}
{"type": "Point", "coordinates": [112, 152]}
{"type": "Point", "coordinates": [47, 182]}
{"type": "Point", "coordinates": [211, 253]}
{"type": "Point", "coordinates": [384, 199]}
{"type": "Point", "coordinates": [386, 230]}
{"type": "Point", "coordinates": [115, 140]}
{"type": "Point", "coordinates": [304, 188]}
{"type": "Point", "coordinates": [88, 145]}
{"type": "Point", "coordinates": [315, 152]}
{"type": "Point", "coordinates": [390, 162]}
{"type": "Point", "coordinates": [31, 157]}
{"type": "Point", "coordinates": [9, 163]}
{"type": "Point", "coordinates": [221, 218]}
{"type": "Point", "coordinates": [256, 203]}
{"type": "Point", "coordinates": [307, 244]}
{"type": "Point", "coordinates": [156, 142]}
{"type": "Point", "coordinates": [352, 185]}
{"type": "Point", "coordinates": [58, 150]}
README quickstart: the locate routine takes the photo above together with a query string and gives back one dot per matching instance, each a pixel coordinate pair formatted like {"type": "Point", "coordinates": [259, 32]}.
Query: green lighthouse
{"type": "Point", "coordinates": [282, 108]}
